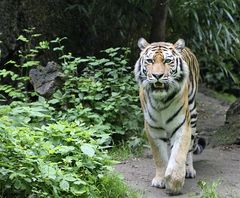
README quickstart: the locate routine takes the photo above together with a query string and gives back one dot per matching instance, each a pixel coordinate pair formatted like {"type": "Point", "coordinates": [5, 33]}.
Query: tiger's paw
{"type": "Point", "coordinates": [174, 185]}
{"type": "Point", "coordinates": [158, 182]}
{"type": "Point", "coordinates": [174, 180]}
{"type": "Point", "coordinates": [190, 172]}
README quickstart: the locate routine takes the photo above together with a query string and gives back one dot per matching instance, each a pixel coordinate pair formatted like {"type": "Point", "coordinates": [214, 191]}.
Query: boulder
{"type": "Point", "coordinates": [46, 80]}
{"type": "Point", "coordinates": [230, 132]}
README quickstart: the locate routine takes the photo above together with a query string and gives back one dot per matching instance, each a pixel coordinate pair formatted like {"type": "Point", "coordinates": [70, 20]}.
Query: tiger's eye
{"type": "Point", "coordinates": [167, 61]}
{"type": "Point", "coordinates": [149, 61]}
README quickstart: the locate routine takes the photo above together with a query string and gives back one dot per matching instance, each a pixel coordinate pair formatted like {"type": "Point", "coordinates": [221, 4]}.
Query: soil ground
{"type": "Point", "coordinates": [220, 163]}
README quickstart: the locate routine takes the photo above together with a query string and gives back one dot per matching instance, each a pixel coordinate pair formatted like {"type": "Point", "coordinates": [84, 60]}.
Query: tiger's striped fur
{"type": "Point", "coordinates": [168, 79]}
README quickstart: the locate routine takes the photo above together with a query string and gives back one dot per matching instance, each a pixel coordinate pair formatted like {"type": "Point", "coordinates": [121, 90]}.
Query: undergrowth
{"type": "Point", "coordinates": [58, 146]}
{"type": "Point", "coordinates": [127, 149]}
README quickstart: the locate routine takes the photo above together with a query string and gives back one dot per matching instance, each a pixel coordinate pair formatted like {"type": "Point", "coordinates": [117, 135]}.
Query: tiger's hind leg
{"type": "Point", "coordinates": [198, 146]}
{"type": "Point", "coordinates": [190, 171]}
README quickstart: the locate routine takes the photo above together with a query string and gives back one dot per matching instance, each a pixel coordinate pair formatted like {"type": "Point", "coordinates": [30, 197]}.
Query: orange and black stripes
{"type": "Point", "coordinates": [179, 71]}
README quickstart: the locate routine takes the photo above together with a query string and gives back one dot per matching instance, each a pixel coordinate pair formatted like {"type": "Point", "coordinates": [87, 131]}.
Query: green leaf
{"type": "Point", "coordinates": [22, 38]}
{"type": "Point", "coordinates": [10, 62]}
{"type": "Point", "coordinates": [31, 63]}
{"type": "Point", "coordinates": [53, 101]}
{"type": "Point", "coordinates": [43, 45]}
{"type": "Point", "coordinates": [48, 171]}
{"type": "Point", "coordinates": [69, 178]}
{"type": "Point", "coordinates": [65, 149]}
{"type": "Point", "coordinates": [18, 185]}
{"type": "Point", "coordinates": [64, 185]}
{"type": "Point", "coordinates": [77, 190]}
{"type": "Point", "coordinates": [109, 63]}
{"type": "Point", "coordinates": [88, 150]}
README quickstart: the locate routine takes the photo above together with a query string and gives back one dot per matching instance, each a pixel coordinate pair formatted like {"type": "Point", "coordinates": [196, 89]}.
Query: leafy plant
{"type": "Point", "coordinates": [103, 94]}
{"type": "Point", "coordinates": [58, 147]}
{"type": "Point", "coordinates": [209, 190]}
{"type": "Point", "coordinates": [53, 160]}
{"type": "Point", "coordinates": [14, 77]}
{"type": "Point", "coordinates": [119, 189]}
{"type": "Point", "coordinates": [124, 150]}
{"type": "Point", "coordinates": [211, 30]}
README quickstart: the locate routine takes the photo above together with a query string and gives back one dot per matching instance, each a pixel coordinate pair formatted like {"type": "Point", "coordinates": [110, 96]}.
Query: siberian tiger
{"type": "Point", "coordinates": [167, 75]}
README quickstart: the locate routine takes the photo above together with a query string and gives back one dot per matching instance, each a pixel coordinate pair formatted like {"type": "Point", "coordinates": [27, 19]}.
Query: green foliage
{"type": "Point", "coordinates": [104, 94]}
{"type": "Point", "coordinates": [125, 150]}
{"type": "Point", "coordinates": [97, 90]}
{"type": "Point", "coordinates": [225, 97]}
{"type": "Point", "coordinates": [209, 190]}
{"type": "Point", "coordinates": [119, 189]}
{"type": "Point", "coordinates": [211, 30]}
{"type": "Point", "coordinates": [14, 77]}
{"type": "Point", "coordinates": [62, 159]}
{"type": "Point", "coordinates": [57, 147]}
{"type": "Point", "coordinates": [27, 113]}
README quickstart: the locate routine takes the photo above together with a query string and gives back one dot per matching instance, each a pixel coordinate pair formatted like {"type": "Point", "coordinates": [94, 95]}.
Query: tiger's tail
{"type": "Point", "coordinates": [200, 146]}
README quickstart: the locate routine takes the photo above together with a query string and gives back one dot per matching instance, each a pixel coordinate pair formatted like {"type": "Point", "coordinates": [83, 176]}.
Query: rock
{"type": "Point", "coordinates": [233, 113]}
{"type": "Point", "coordinates": [46, 80]}
{"type": "Point", "coordinates": [230, 132]}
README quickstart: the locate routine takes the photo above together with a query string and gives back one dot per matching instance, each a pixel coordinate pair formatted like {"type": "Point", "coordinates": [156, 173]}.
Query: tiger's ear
{"type": "Point", "coordinates": [179, 45]}
{"type": "Point", "coordinates": [142, 43]}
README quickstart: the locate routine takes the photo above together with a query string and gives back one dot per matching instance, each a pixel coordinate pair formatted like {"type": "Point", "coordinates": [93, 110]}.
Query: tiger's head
{"type": "Point", "coordinates": [160, 68]}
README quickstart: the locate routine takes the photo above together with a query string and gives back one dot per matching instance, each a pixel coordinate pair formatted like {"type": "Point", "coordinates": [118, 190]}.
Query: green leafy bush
{"type": "Point", "coordinates": [103, 94]}
{"type": "Point", "coordinates": [62, 159]}
{"type": "Point", "coordinates": [57, 147]}
{"type": "Point", "coordinates": [211, 30]}
{"type": "Point", "coordinates": [14, 78]}
{"type": "Point", "coordinates": [97, 90]}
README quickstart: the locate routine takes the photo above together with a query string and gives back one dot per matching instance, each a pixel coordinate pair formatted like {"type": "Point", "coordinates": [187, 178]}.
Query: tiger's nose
{"type": "Point", "coordinates": [157, 76]}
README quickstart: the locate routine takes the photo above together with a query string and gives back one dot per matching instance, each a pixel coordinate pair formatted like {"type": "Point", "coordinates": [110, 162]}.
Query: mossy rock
{"type": "Point", "coordinates": [230, 132]}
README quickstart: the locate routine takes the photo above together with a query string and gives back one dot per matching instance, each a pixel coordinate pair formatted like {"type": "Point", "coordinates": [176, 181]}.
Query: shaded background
{"type": "Point", "coordinates": [210, 28]}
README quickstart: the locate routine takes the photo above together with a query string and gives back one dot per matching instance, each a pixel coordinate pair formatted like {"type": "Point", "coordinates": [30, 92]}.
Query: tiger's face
{"type": "Point", "coordinates": [160, 67]}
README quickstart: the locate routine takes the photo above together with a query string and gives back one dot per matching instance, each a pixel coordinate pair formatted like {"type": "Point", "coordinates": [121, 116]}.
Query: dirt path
{"type": "Point", "coordinates": [221, 163]}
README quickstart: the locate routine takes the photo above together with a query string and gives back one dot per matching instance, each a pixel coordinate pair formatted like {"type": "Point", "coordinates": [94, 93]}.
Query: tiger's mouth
{"type": "Point", "coordinates": [159, 86]}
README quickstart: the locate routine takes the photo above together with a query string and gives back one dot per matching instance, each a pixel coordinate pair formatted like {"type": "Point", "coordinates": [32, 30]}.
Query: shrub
{"type": "Point", "coordinates": [211, 30]}
{"type": "Point", "coordinates": [103, 93]}
{"type": "Point", "coordinates": [62, 159]}
{"type": "Point", "coordinates": [57, 147]}
{"type": "Point", "coordinates": [97, 90]}
{"type": "Point", "coordinates": [14, 77]}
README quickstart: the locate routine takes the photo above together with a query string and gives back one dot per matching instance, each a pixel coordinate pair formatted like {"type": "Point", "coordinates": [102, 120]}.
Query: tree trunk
{"type": "Point", "coordinates": [159, 21]}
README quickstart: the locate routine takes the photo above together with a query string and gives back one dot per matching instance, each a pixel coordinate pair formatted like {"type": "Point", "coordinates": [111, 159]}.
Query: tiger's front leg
{"type": "Point", "coordinates": [160, 156]}
{"type": "Point", "coordinates": [176, 169]}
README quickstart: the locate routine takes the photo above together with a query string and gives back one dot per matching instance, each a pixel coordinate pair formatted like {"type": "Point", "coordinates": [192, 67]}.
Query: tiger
{"type": "Point", "coordinates": [167, 75]}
